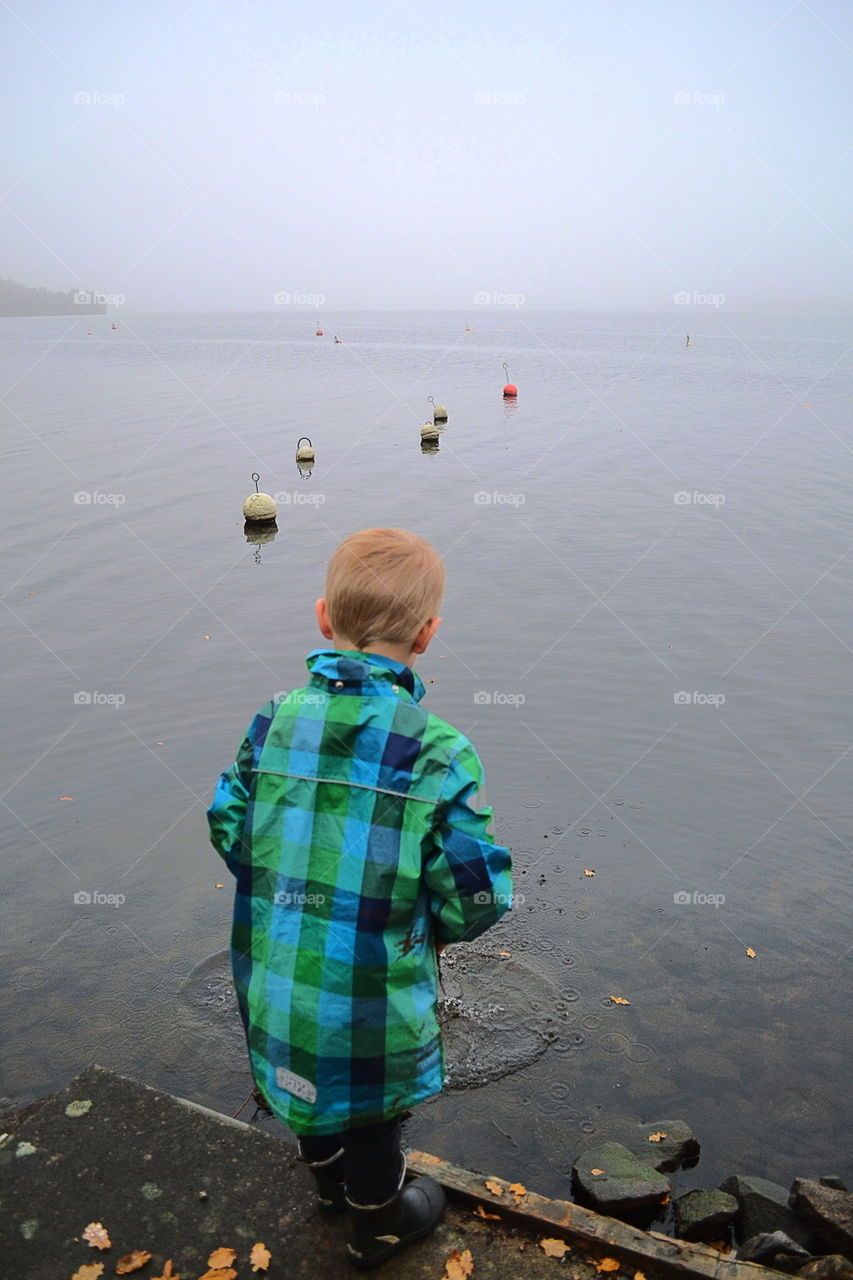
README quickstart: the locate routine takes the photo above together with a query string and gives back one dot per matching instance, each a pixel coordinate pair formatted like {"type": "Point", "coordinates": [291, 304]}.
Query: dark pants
{"type": "Point", "coordinates": [371, 1161]}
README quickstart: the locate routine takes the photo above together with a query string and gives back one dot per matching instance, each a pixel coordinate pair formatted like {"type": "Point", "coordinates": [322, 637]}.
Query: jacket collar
{"type": "Point", "coordinates": [363, 674]}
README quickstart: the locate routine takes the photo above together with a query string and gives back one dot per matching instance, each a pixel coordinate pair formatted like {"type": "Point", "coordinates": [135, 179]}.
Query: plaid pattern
{"type": "Point", "coordinates": [349, 820]}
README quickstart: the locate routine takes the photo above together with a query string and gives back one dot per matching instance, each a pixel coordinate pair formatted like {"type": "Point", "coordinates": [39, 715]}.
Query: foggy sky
{"type": "Point", "coordinates": [581, 154]}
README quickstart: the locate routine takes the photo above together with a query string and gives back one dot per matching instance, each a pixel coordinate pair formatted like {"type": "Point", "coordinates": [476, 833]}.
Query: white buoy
{"type": "Point", "coordinates": [304, 452]}
{"type": "Point", "coordinates": [439, 412]}
{"type": "Point", "coordinates": [259, 508]}
{"type": "Point", "coordinates": [430, 432]}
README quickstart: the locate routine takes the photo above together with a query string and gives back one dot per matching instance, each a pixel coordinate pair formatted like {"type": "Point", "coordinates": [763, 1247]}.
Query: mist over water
{"type": "Point", "coordinates": [646, 634]}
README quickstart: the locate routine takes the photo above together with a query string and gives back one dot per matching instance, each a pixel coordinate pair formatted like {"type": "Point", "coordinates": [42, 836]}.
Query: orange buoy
{"type": "Point", "coordinates": [318, 333]}
{"type": "Point", "coordinates": [510, 390]}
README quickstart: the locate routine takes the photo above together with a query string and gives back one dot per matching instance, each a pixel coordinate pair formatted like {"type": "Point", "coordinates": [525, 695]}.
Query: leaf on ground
{"type": "Point", "coordinates": [132, 1262]}
{"type": "Point", "coordinates": [495, 1187]}
{"type": "Point", "coordinates": [596, 1172]}
{"type": "Point", "coordinates": [218, 885]}
{"type": "Point", "coordinates": [554, 1248]}
{"type": "Point", "coordinates": [518, 1189]}
{"type": "Point", "coordinates": [220, 1273]}
{"type": "Point", "coordinates": [481, 1213]}
{"type": "Point", "coordinates": [657, 1137]}
{"type": "Point", "coordinates": [751, 953]}
{"type": "Point", "coordinates": [97, 1236]}
{"type": "Point", "coordinates": [168, 1273]}
{"type": "Point", "coordinates": [639, 1275]}
{"type": "Point", "coordinates": [459, 1265]}
{"type": "Point", "coordinates": [619, 1000]}
{"type": "Point", "coordinates": [89, 1271]}
{"type": "Point", "coordinates": [505, 954]}
{"type": "Point", "coordinates": [221, 1258]}
{"type": "Point", "coordinates": [588, 871]}
{"type": "Point", "coordinates": [260, 1257]}
{"type": "Point", "coordinates": [721, 1246]}
{"type": "Point", "coordinates": [607, 1264]}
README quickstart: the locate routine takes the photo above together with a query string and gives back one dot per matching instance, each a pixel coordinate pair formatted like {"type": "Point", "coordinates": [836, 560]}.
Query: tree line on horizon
{"type": "Point", "coordinates": [25, 300]}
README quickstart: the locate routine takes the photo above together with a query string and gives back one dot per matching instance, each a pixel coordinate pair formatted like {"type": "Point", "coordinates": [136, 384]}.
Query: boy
{"type": "Point", "coordinates": [351, 823]}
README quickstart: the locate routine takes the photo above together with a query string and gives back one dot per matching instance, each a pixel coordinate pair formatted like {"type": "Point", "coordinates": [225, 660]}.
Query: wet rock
{"type": "Point", "coordinates": [704, 1215]}
{"type": "Point", "coordinates": [831, 1267]}
{"type": "Point", "coordinates": [829, 1209]}
{"type": "Point", "coordinates": [773, 1248]}
{"type": "Point", "coordinates": [763, 1208]}
{"type": "Point", "coordinates": [679, 1147]}
{"type": "Point", "coordinates": [621, 1181]}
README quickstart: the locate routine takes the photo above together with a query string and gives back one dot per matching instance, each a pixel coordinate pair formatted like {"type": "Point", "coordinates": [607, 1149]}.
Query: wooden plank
{"type": "Point", "coordinates": [575, 1223]}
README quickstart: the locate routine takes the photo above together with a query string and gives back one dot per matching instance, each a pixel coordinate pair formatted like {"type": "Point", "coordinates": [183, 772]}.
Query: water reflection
{"type": "Point", "coordinates": [260, 535]}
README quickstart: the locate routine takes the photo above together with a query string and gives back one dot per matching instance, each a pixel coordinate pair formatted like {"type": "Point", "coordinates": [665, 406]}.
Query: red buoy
{"type": "Point", "coordinates": [510, 390]}
{"type": "Point", "coordinates": [318, 333]}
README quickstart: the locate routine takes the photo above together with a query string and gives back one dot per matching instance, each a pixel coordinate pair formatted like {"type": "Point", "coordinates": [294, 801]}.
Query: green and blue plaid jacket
{"type": "Point", "coordinates": [350, 822]}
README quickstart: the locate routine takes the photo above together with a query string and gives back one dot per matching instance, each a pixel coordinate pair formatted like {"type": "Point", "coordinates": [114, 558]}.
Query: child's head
{"type": "Point", "coordinates": [383, 591]}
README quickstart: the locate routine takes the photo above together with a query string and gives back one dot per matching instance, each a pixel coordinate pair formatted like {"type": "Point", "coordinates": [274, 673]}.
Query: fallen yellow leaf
{"type": "Point", "coordinates": [168, 1273]}
{"type": "Point", "coordinates": [97, 1236]}
{"type": "Point", "coordinates": [495, 1187]}
{"type": "Point", "coordinates": [639, 1275]}
{"type": "Point", "coordinates": [481, 1213]}
{"type": "Point", "coordinates": [505, 953]}
{"type": "Point", "coordinates": [607, 1264]}
{"type": "Point", "coordinates": [260, 1257]}
{"type": "Point", "coordinates": [221, 1258]}
{"type": "Point", "coordinates": [220, 1273]}
{"type": "Point", "coordinates": [518, 1189]}
{"type": "Point", "coordinates": [588, 871]}
{"type": "Point", "coordinates": [554, 1248]}
{"type": "Point", "coordinates": [459, 1265]}
{"type": "Point", "coordinates": [619, 1000]}
{"type": "Point", "coordinates": [752, 954]}
{"type": "Point", "coordinates": [656, 1137]}
{"type": "Point", "coordinates": [596, 1172]}
{"type": "Point", "coordinates": [89, 1271]}
{"type": "Point", "coordinates": [217, 885]}
{"type": "Point", "coordinates": [132, 1262]}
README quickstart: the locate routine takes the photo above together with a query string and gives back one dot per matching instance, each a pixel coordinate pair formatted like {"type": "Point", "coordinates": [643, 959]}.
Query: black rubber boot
{"type": "Point", "coordinates": [328, 1176]}
{"type": "Point", "coordinates": [378, 1233]}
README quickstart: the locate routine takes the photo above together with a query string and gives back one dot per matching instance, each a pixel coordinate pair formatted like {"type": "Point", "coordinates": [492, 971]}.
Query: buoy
{"type": "Point", "coordinates": [337, 339]}
{"type": "Point", "coordinates": [439, 413]}
{"type": "Point", "coordinates": [429, 446]}
{"type": "Point", "coordinates": [510, 390]}
{"type": "Point", "coordinates": [259, 508]}
{"type": "Point", "coordinates": [304, 452]}
{"type": "Point", "coordinates": [430, 433]}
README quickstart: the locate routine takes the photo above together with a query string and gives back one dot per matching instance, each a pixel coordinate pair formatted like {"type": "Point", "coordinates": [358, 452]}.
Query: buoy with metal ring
{"type": "Point", "coordinates": [259, 508]}
{"type": "Point", "coordinates": [510, 390]}
{"type": "Point", "coordinates": [439, 413]}
{"type": "Point", "coordinates": [304, 452]}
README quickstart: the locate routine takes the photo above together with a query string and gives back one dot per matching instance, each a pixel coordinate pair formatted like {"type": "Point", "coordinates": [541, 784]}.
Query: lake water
{"type": "Point", "coordinates": [646, 633]}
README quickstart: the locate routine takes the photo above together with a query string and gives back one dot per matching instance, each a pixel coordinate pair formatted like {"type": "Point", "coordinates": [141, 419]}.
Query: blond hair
{"type": "Point", "coordinates": [383, 585]}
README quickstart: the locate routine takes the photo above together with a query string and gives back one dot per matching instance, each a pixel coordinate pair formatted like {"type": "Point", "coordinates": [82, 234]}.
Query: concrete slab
{"type": "Point", "coordinates": [179, 1181]}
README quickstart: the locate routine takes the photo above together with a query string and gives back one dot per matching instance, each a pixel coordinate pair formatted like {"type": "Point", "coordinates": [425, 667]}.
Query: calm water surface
{"type": "Point", "coordinates": [583, 599]}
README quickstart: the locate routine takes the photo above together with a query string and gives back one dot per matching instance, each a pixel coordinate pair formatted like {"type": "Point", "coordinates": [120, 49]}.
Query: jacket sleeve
{"type": "Point", "coordinates": [227, 814]}
{"type": "Point", "coordinates": [467, 874]}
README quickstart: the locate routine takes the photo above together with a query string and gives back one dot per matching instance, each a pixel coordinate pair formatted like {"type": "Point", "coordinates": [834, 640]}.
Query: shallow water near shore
{"type": "Point", "coordinates": [646, 634]}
